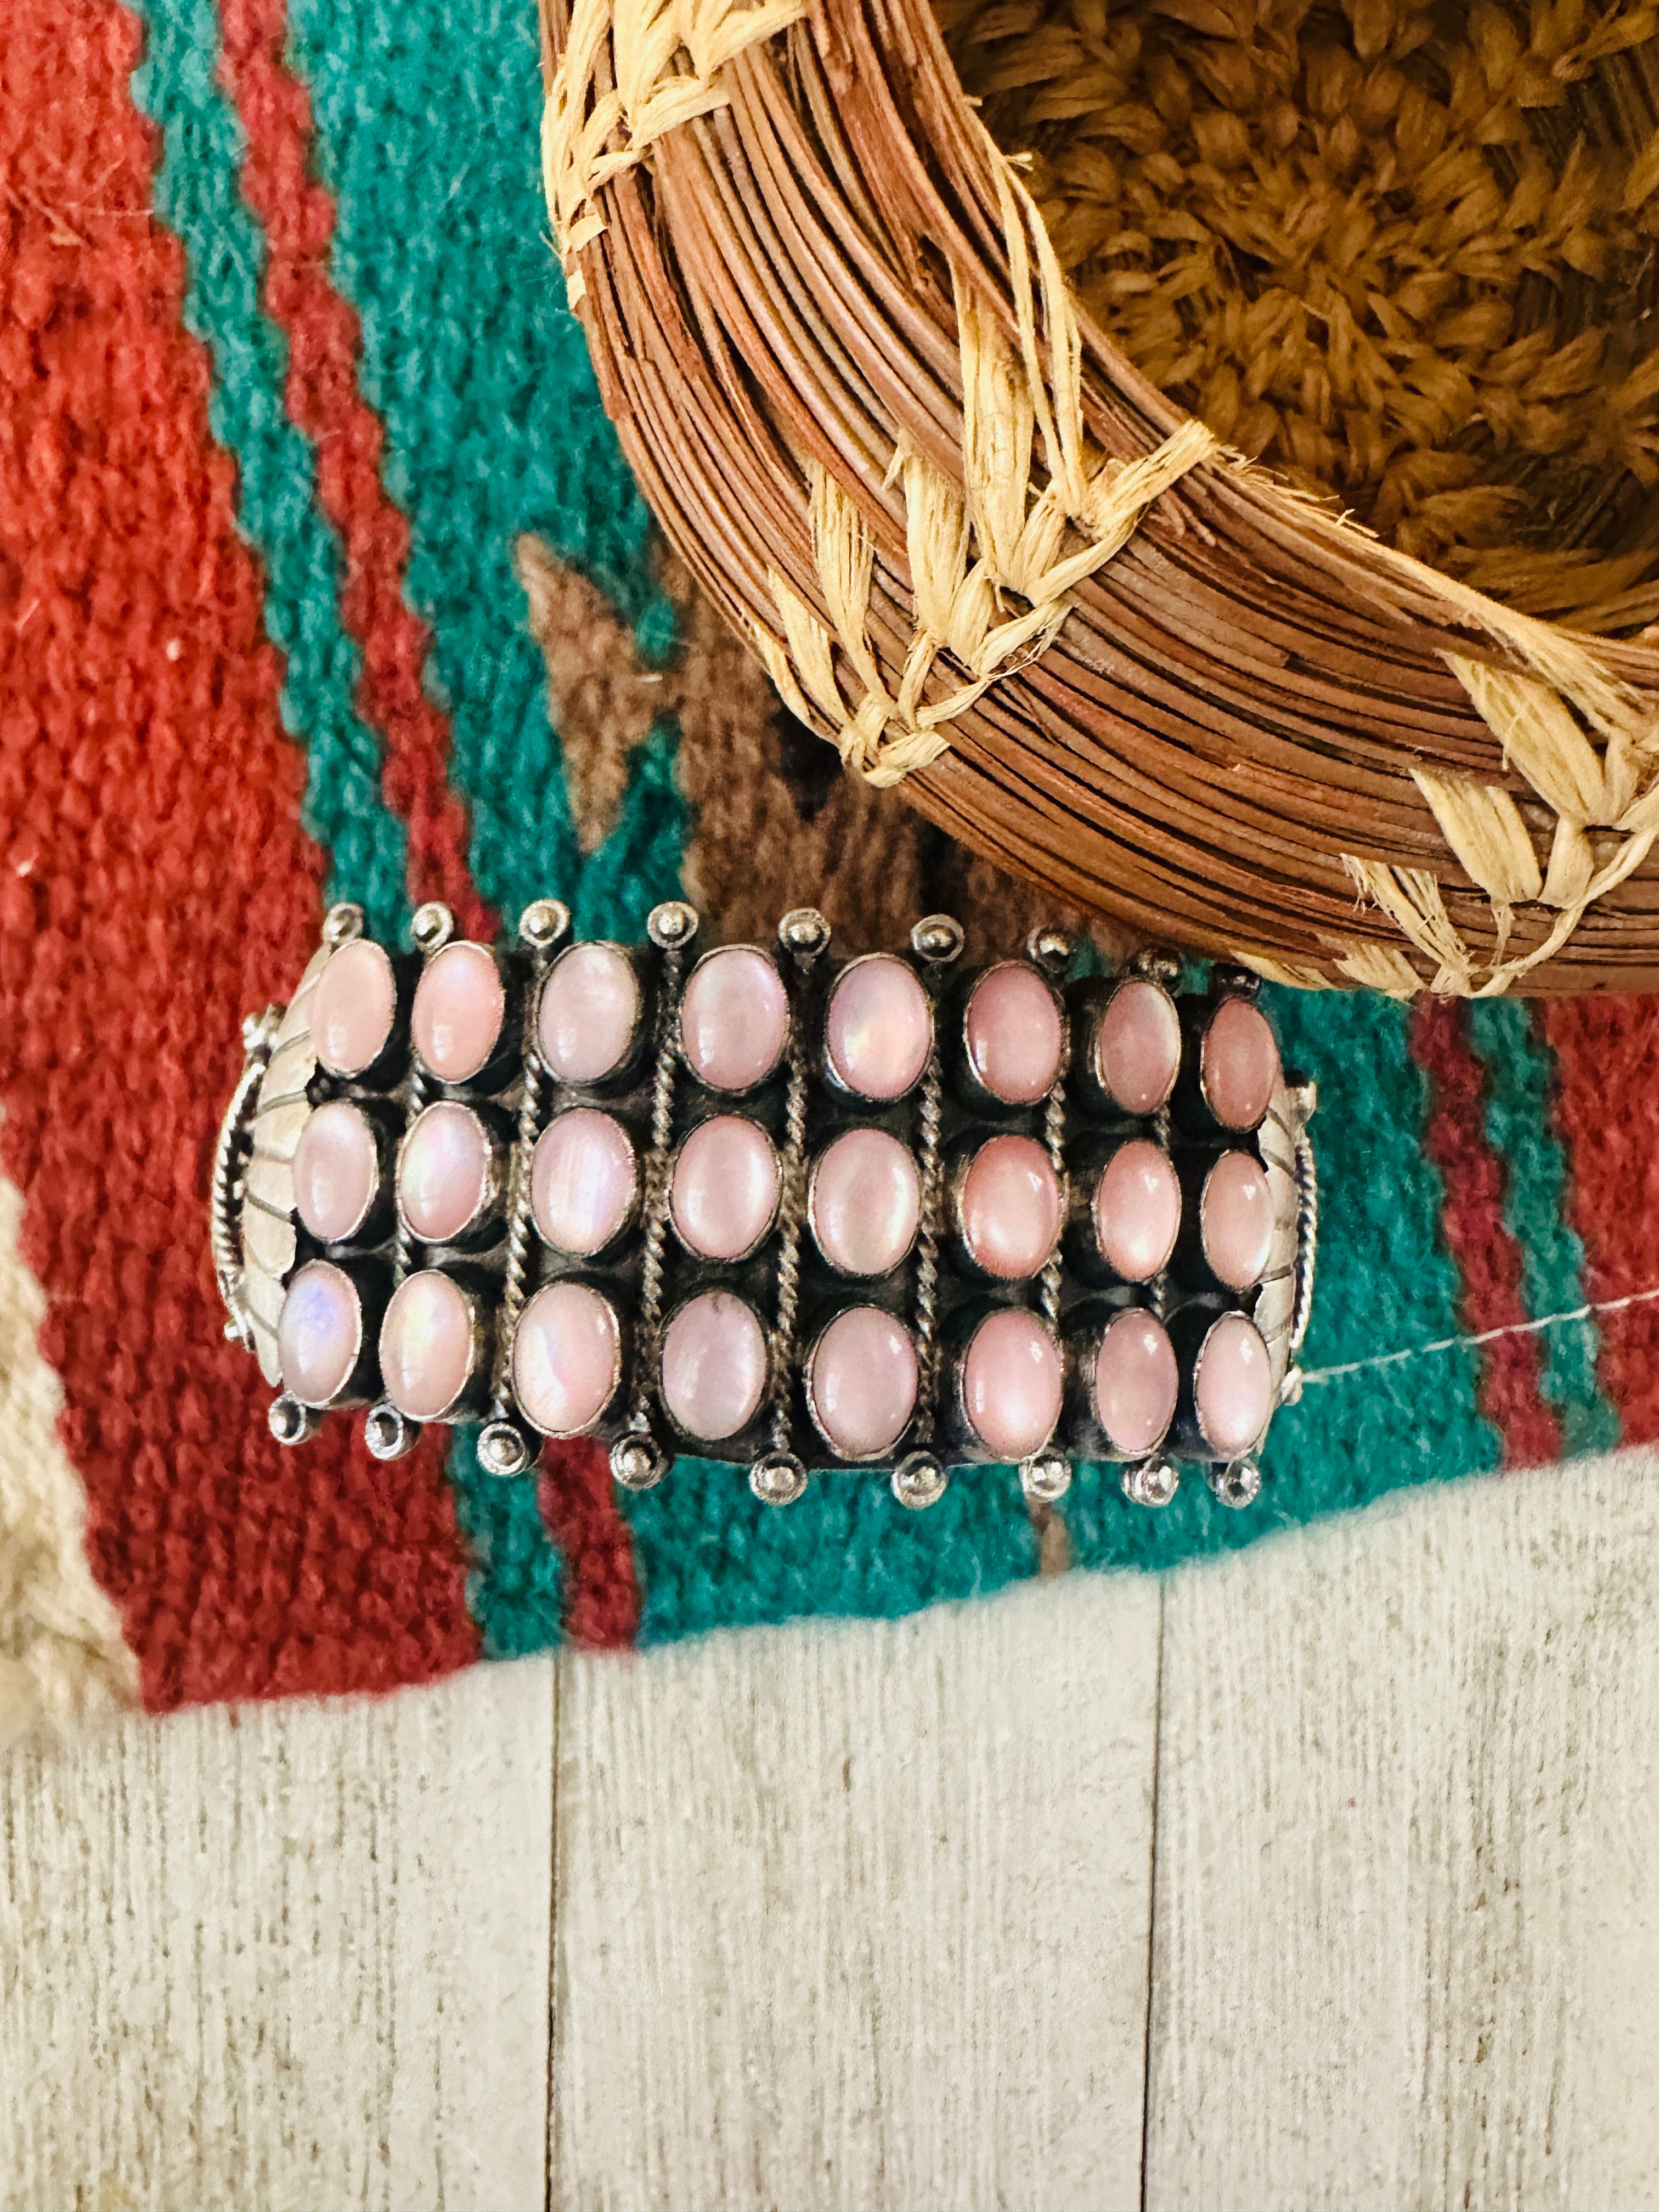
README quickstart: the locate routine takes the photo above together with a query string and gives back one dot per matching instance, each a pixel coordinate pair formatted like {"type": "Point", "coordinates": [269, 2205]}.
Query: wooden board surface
{"type": "Point", "coordinates": [871, 1914]}
{"type": "Point", "coordinates": [1406, 1947]}
{"type": "Point", "coordinates": [289, 1956]}
{"type": "Point", "coordinates": [861, 1917]}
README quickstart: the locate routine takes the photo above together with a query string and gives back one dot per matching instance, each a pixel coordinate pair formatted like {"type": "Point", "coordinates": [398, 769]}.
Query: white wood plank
{"type": "Point", "coordinates": [856, 1914]}
{"type": "Point", "coordinates": [289, 1956]}
{"type": "Point", "coordinates": [1406, 1934]}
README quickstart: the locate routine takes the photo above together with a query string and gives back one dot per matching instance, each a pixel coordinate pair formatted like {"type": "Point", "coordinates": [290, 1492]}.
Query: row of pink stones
{"type": "Point", "coordinates": [861, 1375]}
{"type": "Point", "coordinates": [864, 1196]}
{"type": "Point", "coordinates": [734, 1027]}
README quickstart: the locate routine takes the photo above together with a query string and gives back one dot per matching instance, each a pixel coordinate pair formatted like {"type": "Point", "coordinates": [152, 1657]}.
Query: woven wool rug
{"type": "Point", "coordinates": [321, 577]}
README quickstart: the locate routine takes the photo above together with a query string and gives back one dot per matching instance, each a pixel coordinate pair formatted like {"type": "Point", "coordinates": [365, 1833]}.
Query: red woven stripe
{"type": "Point", "coordinates": [578, 1495]}
{"type": "Point", "coordinates": [154, 884]}
{"type": "Point", "coordinates": [1487, 1255]}
{"type": "Point", "coordinates": [324, 400]}
{"type": "Point", "coordinates": [1606, 1054]}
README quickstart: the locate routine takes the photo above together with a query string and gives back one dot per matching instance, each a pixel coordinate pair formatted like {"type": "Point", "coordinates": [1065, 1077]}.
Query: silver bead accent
{"type": "Point", "coordinates": [919, 1481]}
{"type": "Point", "coordinates": [1151, 1482]}
{"type": "Point", "coordinates": [544, 923]}
{"type": "Point", "coordinates": [291, 1423]}
{"type": "Point", "coordinates": [1045, 1476]}
{"type": "Point", "coordinates": [937, 938]}
{"type": "Point", "coordinates": [502, 1451]}
{"type": "Point", "coordinates": [1051, 950]}
{"type": "Point", "coordinates": [1158, 966]}
{"type": "Point", "coordinates": [671, 926]}
{"type": "Point", "coordinates": [1238, 1484]}
{"type": "Point", "coordinates": [433, 927]}
{"type": "Point", "coordinates": [388, 1433]}
{"type": "Point", "coordinates": [777, 1478]}
{"type": "Point", "coordinates": [343, 922]}
{"type": "Point", "coordinates": [638, 1461]}
{"type": "Point", "coordinates": [803, 934]}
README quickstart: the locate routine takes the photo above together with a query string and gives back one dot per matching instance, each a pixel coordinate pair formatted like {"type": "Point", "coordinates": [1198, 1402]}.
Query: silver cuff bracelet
{"type": "Point", "coordinates": [772, 1206]}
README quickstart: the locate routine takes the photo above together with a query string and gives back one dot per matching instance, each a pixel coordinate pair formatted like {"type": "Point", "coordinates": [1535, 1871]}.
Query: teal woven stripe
{"type": "Point", "coordinates": [1520, 1127]}
{"type": "Point", "coordinates": [196, 195]}
{"type": "Point", "coordinates": [426, 121]}
{"type": "Point", "coordinates": [427, 124]}
{"type": "Point", "coordinates": [515, 1583]}
{"type": "Point", "coordinates": [709, 1556]}
{"type": "Point", "coordinates": [1385, 1283]}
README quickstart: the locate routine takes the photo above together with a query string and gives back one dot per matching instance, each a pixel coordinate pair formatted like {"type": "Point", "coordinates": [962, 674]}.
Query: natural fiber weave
{"type": "Point", "coordinates": [838, 340]}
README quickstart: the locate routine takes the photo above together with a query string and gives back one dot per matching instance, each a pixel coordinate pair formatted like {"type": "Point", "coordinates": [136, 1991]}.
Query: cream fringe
{"type": "Point", "coordinates": [63, 1659]}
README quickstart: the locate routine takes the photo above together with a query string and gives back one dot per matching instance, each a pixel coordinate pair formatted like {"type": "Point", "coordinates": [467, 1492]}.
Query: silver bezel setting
{"type": "Point", "coordinates": [1205, 1342]}
{"type": "Point", "coordinates": [491, 1192]}
{"type": "Point", "coordinates": [478, 1339]}
{"type": "Point", "coordinates": [1028, 967]}
{"type": "Point", "coordinates": [726, 1259]}
{"type": "Point", "coordinates": [875, 1457]}
{"type": "Point", "coordinates": [962, 1420]}
{"type": "Point", "coordinates": [700, 1443]}
{"type": "Point", "coordinates": [1133, 975]}
{"type": "Point", "coordinates": [870, 1101]}
{"type": "Point", "coordinates": [630, 1212]}
{"type": "Point", "coordinates": [618, 1361]}
{"type": "Point", "coordinates": [344, 1395]}
{"type": "Point", "coordinates": [849, 1274]}
{"type": "Point", "coordinates": [747, 1090]}
{"type": "Point", "coordinates": [625, 1058]}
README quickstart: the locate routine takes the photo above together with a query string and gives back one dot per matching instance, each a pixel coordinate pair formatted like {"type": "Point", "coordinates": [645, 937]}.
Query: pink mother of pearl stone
{"type": "Point", "coordinates": [1138, 1210]}
{"type": "Point", "coordinates": [589, 1009]}
{"type": "Point", "coordinates": [459, 1002]}
{"type": "Point", "coordinates": [583, 1178]}
{"type": "Point", "coordinates": [1138, 1046]}
{"type": "Point", "coordinates": [724, 1194]}
{"type": "Point", "coordinates": [713, 1366]}
{"type": "Point", "coordinates": [443, 1171]}
{"type": "Point", "coordinates": [354, 1006]}
{"type": "Point", "coordinates": [1136, 1383]}
{"type": "Point", "coordinates": [865, 1203]}
{"type": "Point", "coordinates": [320, 1334]}
{"type": "Point", "coordinates": [1236, 1220]}
{"type": "Point", "coordinates": [861, 1381]}
{"type": "Point", "coordinates": [1011, 1207]}
{"type": "Point", "coordinates": [879, 1027]}
{"type": "Point", "coordinates": [1240, 1064]}
{"type": "Point", "coordinates": [734, 1018]}
{"type": "Point", "coordinates": [566, 1359]}
{"type": "Point", "coordinates": [1012, 1381]}
{"type": "Point", "coordinates": [426, 1346]}
{"type": "Point", "coordinates": [336, 1171]}
{"type": "Point", "coordinates": [1013, 1034]}
{"type": "Point", "coordinates": [1233, 1389]}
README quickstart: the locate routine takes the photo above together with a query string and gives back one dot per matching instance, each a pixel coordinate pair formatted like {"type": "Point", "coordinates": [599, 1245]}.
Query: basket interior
{"type": "Point", "coordinates": [1405, 253]}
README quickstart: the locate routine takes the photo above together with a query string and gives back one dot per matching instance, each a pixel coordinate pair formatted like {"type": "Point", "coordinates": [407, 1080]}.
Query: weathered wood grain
{"type": "Point", "coordinates": [1406, 1934]}
{"type": "Point", "coordinates": [283, 1957]}
{"type": "Point", "coordinates": [857, 1914]}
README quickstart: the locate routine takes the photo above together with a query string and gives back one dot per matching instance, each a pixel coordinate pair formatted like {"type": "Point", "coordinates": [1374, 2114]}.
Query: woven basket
{"type": "Point", "coordinates": [980, 553]}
